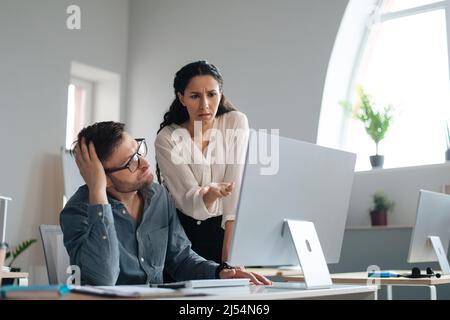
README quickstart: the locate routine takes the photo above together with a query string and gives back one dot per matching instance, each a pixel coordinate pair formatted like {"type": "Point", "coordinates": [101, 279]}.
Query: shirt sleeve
{"type": "Point", "coordinates": [180, 180]}
{"type": "Point", "coordinates": [91, 242]}
{"type": "Point", "coordinates": [236, 154]}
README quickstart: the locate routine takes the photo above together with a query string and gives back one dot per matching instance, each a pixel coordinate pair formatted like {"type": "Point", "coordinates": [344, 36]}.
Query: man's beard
{"type": "Point", "coordinates": [126, 187]}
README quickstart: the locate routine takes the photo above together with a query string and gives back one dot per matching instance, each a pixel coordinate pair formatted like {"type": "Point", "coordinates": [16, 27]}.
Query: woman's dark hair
{"type": "Point", "coordinates": [105, 136]}
{"type": "Point", "coordinates": [177, 112]}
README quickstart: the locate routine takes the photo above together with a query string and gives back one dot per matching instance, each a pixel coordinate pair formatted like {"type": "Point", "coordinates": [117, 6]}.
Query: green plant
{"type": "Point", "coordinates": [381, 202]}
{"type": "Point", "coordinates": [376, 123]}
{"type": "Point", "coordinates": [13, 254]}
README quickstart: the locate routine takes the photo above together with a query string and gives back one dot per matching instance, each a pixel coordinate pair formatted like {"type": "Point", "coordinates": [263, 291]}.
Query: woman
{"type": "Point", "coordinates": [200, 151]}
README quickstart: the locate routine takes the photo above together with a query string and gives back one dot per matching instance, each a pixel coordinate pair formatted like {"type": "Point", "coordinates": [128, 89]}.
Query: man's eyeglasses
{"type": "Point", "coordinates": [135, 161]}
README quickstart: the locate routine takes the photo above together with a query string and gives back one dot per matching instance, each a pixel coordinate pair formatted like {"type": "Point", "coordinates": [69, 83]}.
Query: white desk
{"type": "Point", "coordinates": [362, 278]}
{"type": "Point", "coordinates": [22, 276]}
{"type": "Point", "coordinates": [336, 292]}
{"type": "Point", "coordinates": [252, 292]}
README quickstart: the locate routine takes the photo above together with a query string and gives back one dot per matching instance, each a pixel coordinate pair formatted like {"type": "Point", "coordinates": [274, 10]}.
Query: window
{"type": "Point", "coordinates": [404, 62]}
{"type": "Point", "coordinates": [399, 5]}
{"type": "Point", "coordinates": [94, 96]}
{"type": "Point", "coordinates": [78, 108]}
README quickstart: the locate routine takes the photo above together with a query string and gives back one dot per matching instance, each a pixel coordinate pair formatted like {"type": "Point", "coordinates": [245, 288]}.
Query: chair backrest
{"type": "Point", "coordinates": [56, 257]}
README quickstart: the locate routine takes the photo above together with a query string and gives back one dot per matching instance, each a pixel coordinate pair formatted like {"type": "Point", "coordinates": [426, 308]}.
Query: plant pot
{"type": "Point", "coordinates": [10, 281]}
{"type": "Point", "coordinates": [378, 217]}
{"type": "Point", "coordinates": [447, 155]}
{"type": "Point", "coordinates": [377, 161]}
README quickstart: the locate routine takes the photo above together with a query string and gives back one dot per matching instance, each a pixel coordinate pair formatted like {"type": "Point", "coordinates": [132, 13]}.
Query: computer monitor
{"type": "Point", "coordinates": [431, 235]}
{"type": "Point", "coordinates": [313, 183]}
{"type": "Point", "coordinates": [3, 217]}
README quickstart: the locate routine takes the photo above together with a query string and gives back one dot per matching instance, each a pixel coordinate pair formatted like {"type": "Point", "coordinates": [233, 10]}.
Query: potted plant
{"type": "Point", "coordinates": [379, 211]}
{"type": "Point", "coordinates": [12, 256]}
{"type": "Point", "coordinates": [375, 122]}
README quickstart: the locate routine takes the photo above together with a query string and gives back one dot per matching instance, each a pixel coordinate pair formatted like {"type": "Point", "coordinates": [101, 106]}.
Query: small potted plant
{"type": "Point", "coordinates": [379, 211]}
{"type": "Point", "coordinates": [12, 256]}
{"type": "Point", "coordinates": [376, 123]}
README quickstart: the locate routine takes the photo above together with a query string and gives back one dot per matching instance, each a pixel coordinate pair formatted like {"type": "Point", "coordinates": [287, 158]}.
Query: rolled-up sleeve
{"type": "Point", "coordinates": [91, 242]}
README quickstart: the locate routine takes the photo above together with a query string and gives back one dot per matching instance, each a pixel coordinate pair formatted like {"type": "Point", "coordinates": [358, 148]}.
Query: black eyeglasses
{"type": "Point", "coordinates": [135, 161]}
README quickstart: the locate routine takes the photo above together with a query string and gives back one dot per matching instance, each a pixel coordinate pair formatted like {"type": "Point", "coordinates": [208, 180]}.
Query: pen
{"type": "Point", "coordinates": [384, 274]}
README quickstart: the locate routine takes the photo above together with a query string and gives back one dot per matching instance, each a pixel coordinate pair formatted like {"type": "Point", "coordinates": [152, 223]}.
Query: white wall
{"type": "Point", "coordinates": [35, 56]}
{"type": "Point", "coordinates": [273, 55]}
{"type": "Point", "coordinates": [401, 185]}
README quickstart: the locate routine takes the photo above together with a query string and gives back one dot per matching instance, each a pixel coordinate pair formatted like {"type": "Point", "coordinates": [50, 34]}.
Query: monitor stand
{"type": "Point", "coordinates": [440, 253]}
{"type": "Point", "coordinates": [309, 253]}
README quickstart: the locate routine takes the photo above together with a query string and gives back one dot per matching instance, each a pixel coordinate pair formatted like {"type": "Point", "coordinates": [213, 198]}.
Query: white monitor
{"type": "Point", "coordinates": [431, 235]}
{"type": "Point", "coordinates": [3, 217]}
{"type": "Point", "coordinates": [313, 184]}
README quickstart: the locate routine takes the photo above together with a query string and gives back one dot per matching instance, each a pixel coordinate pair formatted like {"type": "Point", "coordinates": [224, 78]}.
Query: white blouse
{"type": "Point", "coordinates": [185, 169]}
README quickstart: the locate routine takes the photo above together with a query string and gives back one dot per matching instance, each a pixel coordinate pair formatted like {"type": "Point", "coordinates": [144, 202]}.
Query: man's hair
{"type": "Point", "coordinates": [106, 136]}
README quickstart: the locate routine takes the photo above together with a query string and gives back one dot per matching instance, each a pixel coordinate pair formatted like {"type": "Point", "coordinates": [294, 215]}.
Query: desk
{"type": "Point", "coordinates": [337, 292]}
{"type": "Point", "coordinates": [22, 276]}
{"type": "Point", "coordinates": [362, 278]}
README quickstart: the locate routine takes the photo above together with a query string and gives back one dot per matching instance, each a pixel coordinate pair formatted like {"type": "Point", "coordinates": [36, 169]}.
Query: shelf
{"type": "Point", "coordinates": [392, 227]}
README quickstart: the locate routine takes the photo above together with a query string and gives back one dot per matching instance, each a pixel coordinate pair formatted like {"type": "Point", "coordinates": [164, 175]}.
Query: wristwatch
{"type": "Point", "coordinates": [222, 266]}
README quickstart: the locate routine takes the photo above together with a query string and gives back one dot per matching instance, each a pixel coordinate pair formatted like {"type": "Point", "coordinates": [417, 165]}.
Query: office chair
{"type": "Point", "coordinates": [56, 257]}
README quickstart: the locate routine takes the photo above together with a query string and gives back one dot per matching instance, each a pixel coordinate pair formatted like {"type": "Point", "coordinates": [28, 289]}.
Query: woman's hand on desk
{"type": "Point", "coordinates": [92, 171]}
{"type": "Point", "coordinates": [240, 272]}
{"type": "Point", "coordinates": [214, 191]}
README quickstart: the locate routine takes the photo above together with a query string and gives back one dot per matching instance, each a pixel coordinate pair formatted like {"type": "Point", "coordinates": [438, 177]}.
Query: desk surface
{"type": "Point", "coordinates": [362, 278]}
{"type": "Point", "coordinates": [350, 292]}
{"type": "Point", "coordinates": [13, 275]}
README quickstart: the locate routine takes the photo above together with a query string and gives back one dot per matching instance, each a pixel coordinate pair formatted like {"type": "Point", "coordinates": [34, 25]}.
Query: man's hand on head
{"type": "Point", "coordinates": [92, 171]}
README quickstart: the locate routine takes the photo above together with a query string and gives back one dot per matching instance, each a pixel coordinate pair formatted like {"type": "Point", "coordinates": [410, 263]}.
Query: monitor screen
{"type": "Point", "coordinates": [311, 183]}
{"type": "Point", "coordinates": [3, 217]}
{"type": "Point", "coordinates": [433, 219]}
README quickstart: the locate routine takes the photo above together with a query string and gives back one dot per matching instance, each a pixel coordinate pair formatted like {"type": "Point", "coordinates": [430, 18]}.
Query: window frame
{"type": "Point", "coordinates": [372, 20]}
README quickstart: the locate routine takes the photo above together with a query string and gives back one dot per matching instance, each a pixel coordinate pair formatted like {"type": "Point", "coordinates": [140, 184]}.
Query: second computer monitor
{"type": "Point", "coordinates": [312, 183]}
{"type": "Point", "coordinates": [432, 222]}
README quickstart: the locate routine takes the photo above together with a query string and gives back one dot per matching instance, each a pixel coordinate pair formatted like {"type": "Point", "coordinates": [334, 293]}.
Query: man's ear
{"type": "Point", "coordinates": [109, 182]}
{"type": "Point", "coordinates": [181, 98]}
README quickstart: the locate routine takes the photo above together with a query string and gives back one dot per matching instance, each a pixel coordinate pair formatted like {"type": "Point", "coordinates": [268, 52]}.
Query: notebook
{"type": "Point", "coordinates": [136, 291]}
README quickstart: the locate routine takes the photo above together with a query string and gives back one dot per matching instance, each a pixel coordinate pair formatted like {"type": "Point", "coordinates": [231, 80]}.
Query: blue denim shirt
{"type": "Point", "coordinates": [112, 248]}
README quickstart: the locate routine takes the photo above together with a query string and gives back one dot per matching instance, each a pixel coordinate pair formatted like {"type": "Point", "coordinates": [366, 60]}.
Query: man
{"type": "Point", "coordinates": [121, 228]}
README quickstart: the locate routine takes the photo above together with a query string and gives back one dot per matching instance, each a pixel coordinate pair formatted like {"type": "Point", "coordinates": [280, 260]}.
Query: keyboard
{"type": "Point", "coordinates": [287, 285]}
{"type": "Point", "coordinates": [208, 283]}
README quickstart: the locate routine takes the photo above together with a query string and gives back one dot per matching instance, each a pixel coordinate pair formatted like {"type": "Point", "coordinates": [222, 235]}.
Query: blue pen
{"type": "Point", "coordinates": [384, 274]}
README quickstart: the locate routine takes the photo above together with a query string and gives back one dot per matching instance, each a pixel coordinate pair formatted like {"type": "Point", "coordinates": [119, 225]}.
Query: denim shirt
{"type": "Point", "coordinates": [112, 248]}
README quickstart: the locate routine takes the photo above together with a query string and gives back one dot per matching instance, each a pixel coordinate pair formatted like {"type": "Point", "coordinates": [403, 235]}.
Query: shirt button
{"type": "Point", "coordinates": [199, 223]}
{"type": "Point", "coordinates": [142, 259]}
{"type": "Point", "coordinates": [124, 211]}
{"type": "Point", "coordinates": [104, 237]}
{"type": "Point", "coordinates": [100, 214]}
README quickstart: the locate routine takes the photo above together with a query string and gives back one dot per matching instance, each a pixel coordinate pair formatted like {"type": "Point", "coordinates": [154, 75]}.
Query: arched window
{"type": "Point", "coordinates": [402, 60]}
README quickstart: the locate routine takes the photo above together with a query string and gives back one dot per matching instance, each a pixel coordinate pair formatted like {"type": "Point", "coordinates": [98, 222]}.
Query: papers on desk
{"type": "Point", "coordinates": [5, 269]}
{"type": "Point", "coordinates": [132, 291]}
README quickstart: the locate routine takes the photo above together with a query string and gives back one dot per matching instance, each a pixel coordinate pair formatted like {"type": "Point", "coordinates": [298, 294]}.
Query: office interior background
{"type": "Point", "coordinates": [286, 64]}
